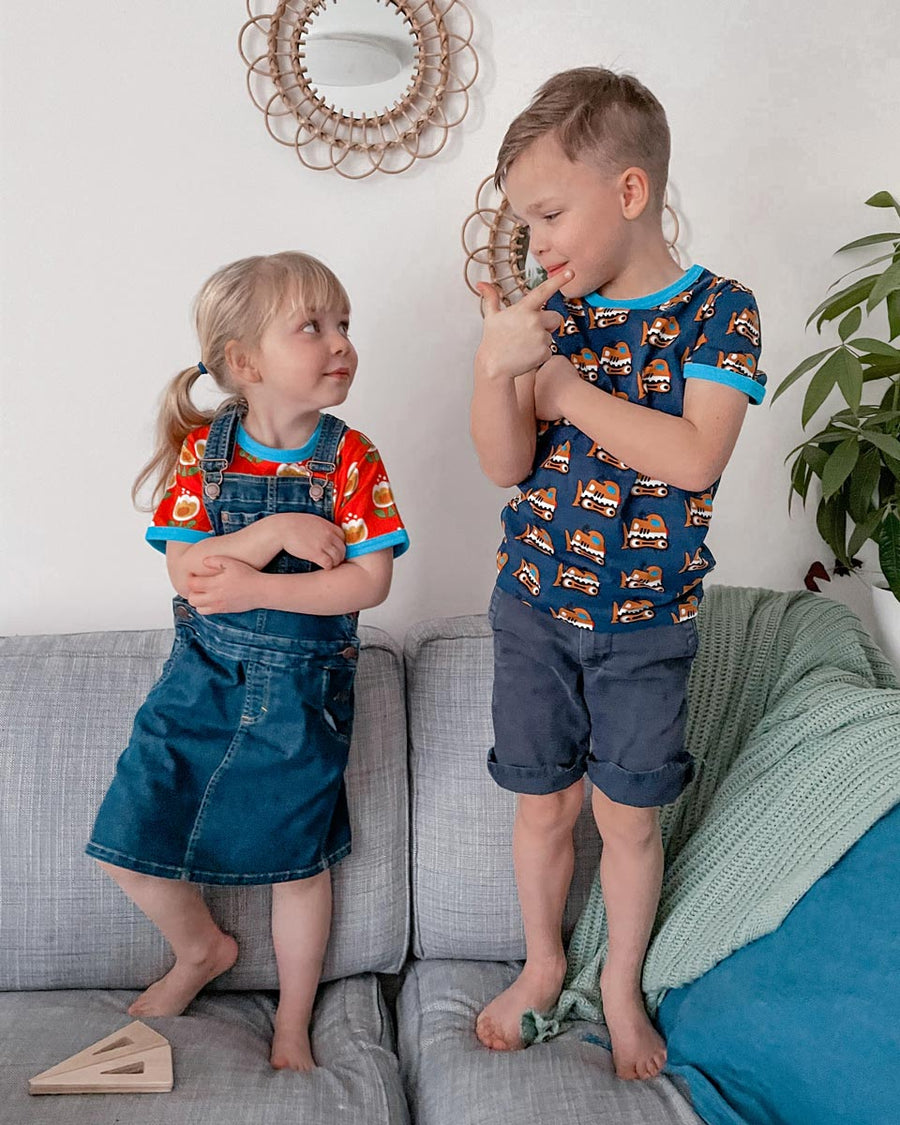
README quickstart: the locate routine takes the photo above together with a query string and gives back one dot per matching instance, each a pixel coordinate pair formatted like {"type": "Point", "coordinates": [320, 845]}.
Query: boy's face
{"type": "Point", "coordinates": [574, 214]}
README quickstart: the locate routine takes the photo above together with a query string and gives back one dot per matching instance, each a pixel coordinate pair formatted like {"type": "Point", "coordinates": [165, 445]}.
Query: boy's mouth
{"type": "Point", "coordinates": [339, 373]}
{"type": "Point", "coordinates": [555, 269]}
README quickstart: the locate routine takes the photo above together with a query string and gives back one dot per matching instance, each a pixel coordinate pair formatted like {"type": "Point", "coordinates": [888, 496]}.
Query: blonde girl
{"type": "Point", "coordinates": [278, 526]}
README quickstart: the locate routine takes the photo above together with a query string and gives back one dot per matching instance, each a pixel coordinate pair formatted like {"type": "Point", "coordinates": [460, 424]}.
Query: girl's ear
{"type": "Point", "coordinates": [241, 362]}
{"type": "Point", "coordinates": [634, 192]}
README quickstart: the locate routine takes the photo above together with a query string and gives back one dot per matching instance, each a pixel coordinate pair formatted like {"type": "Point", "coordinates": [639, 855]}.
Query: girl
{"type": "Point", "coordinates": [278, 526]}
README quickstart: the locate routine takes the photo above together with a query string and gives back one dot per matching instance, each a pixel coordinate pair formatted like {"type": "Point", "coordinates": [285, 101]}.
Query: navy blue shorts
{"type": "Point", "coordinates": [570, 701]}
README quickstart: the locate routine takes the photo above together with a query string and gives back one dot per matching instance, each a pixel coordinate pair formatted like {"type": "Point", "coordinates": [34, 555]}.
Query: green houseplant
{"type": "Point", "coordinates": [855, 456]}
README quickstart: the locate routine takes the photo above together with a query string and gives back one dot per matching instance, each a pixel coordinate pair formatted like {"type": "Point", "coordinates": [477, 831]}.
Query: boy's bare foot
{"type": "Point", "coordinates": [171, 994]}
{"type": "Point", "coordinates": [290, 1044]}
{"type": "Point", "coordinates": [637, 1048]}
{"type": "Point", "coordinates": [499, 1026]}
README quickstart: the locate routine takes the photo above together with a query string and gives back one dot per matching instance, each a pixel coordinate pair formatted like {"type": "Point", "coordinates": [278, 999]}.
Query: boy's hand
{"type": "Point", "coordinates": [229, 586]}
{"type": "Point", "coordinates": [313, 538]}
{"type": "Point", "coordinates": [517, 339]}
{"type": "Point", "coordinates": [551, 382]}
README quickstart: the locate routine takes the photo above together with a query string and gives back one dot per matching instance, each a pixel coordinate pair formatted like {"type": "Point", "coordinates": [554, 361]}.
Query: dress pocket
{"type": "Point", "coordinates": [337, 697]}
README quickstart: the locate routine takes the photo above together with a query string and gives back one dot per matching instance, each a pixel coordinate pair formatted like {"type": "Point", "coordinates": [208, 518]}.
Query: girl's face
{"type": "Point", "coordinates": [304, 360]}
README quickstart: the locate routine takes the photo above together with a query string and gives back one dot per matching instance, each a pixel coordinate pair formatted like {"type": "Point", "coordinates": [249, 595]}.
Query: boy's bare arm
{"type": "Point", "coordinates": [230, 586]}
{"type": "Point", "coordinates": [514, 342]}
{"type": "Point", "coordinates": [302, 534]}
{"type": "Point", "coordinates": [689, 452]}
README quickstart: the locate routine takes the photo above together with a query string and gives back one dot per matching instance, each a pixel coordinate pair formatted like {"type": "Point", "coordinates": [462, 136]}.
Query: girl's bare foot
{"type": "Point", "coordinates": [290, 1044]}
{"type": "Point", "coordinates": [171, 994]}
{"type": "Point", "coordinates": [637, 1048]}
{"type": "Point", "coordinates": [499, 1026]}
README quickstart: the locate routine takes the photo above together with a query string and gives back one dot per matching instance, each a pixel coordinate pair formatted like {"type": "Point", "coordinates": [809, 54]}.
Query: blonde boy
{"type": "Point", "coordinates": [613, 395]}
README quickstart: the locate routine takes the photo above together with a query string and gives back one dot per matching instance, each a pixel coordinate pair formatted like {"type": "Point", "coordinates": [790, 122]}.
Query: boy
{"type": "Point", "coordinates": [603, 556]}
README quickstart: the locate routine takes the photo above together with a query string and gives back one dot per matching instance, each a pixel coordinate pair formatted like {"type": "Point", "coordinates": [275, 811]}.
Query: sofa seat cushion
{"type": "Point", "coordinates": [450, 1078]}
{"type": "Point", "coordinates": [220, 1052]}
{"type": "Point", "coordinates": [67, 703]}
{"type": "Point", "coordinates": [464, 889]}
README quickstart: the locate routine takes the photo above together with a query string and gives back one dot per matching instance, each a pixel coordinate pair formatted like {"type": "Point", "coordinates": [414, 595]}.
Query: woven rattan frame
{"type": "Point", "coordinates": [326, 136]}
{"type": "Point", "coordinates": [499, 259]}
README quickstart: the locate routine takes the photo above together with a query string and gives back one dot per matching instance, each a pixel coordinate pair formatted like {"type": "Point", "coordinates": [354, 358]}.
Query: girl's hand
{"type": "Point", "coordinates": [551, 382]}
{"type": "Point", "coordinates": [517, 339]}
{"type": "Point", "coordinates": [227, 587]}
{"type": "Point", "coordinates": [313, 538]}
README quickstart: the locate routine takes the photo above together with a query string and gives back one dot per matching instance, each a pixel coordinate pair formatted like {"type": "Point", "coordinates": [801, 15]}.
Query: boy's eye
{"type": "Point", "coordinates": [310, 326]}
{"type": "Point", "coordinates": [549, 218]}
{"type": "Point", "coordinates": [345, 327]}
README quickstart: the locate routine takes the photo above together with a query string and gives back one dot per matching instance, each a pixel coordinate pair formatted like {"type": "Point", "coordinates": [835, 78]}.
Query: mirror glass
{"type": "Point", "coordinates": [360, 56]}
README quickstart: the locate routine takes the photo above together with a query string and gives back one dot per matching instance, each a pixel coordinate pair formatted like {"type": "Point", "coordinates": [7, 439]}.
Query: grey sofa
{"type": "Point", "coordinates": [426, 924]}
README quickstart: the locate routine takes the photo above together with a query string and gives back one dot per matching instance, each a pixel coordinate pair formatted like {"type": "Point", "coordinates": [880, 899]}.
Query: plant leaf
{"type": "Point", "coordinates": [850, 378]}
{"type": "Point", "coordinates": [889, 282]}
{"type": "Point", "coordinates": [839, 302]}
{"type": "Point", "coordinates": [870, 240]}
{"type": "Point", "coordinates": [883, 199]}
{"type": "Point", "coordinates": [840, 465]}
{"type": "Point", "coordinates": [816, 458]}
{"type": "Point", "coordinates": [865, 530]}
{"type": "Point", "coordinates": [821, 385]}
{"type": "Point", "coordinates": [889, 552]}
{"type": "Point", "coordinates": [863, 482]}
{"type": "Point", "coordinates": [893, 308]}
{"type": "Point", "coordinates": [885, 442]}
{"type": "Point", "coordinates": [850, 323]}
{"type": "Point", "coordinates": [800, 369]}
{"type": "Point", "coordinates": [831, 521]}
{"type": "Point", "coordinates": [874, 347]}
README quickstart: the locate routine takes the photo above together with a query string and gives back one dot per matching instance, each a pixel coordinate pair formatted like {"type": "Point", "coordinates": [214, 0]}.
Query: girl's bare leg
{"type": "Point", "coordinates": [202, 951]}
{"type": "Point", "coordinates": [631, 867]}
{"type": "Point", "coordinates": [301, 922]}
{"type": "Point", "coordinates": [544, 857]}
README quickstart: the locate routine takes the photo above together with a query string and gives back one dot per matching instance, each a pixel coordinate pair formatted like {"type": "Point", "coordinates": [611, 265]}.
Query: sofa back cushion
{"type": "Point", "coordinates": [463, 884]}
{"type": "Point", "coordinates": [66, 709]}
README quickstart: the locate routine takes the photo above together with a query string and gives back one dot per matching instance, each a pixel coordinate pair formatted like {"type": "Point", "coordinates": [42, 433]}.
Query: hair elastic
{"type": "Point", "coordinates": [201, 367]}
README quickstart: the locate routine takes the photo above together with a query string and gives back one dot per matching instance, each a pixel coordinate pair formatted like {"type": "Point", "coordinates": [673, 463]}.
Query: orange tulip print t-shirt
{"type": "Point", "coordinates": [364, 505]}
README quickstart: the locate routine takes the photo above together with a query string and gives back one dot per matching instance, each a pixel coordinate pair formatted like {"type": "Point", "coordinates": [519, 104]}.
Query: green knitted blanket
{"type": "Point", "coordinates": [794, 722]}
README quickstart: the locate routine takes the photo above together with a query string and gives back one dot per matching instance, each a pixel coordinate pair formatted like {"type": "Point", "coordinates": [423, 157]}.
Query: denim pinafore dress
{"type": "Point", "coordinates": [234, 773]}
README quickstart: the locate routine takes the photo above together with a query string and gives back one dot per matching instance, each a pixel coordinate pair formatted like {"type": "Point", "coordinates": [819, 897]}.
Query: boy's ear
{"type": "Point", "coordinates": [634, 192]}
{"type": "Point", "coordinates": [241, 362]}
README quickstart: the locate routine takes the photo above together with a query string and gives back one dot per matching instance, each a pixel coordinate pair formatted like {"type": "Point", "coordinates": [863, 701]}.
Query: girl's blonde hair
{"type": "Point", "coordinates": [595, 114]}
{"type": "Point", "coordinates": [238, 302]}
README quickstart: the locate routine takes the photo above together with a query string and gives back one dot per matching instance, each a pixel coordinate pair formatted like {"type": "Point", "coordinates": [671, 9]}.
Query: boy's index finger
{"type": "Point", "coordinates": [541, 294]}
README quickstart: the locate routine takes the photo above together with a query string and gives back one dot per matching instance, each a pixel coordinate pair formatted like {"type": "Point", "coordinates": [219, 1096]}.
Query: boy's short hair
{"type": "Point", "coordinates": [597, 114]}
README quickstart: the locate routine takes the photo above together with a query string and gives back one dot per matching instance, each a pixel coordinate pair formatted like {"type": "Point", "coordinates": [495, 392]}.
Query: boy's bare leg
{"type": "Point", "coordinates": [202, 951]}
{"type": "Point", "coordinates": [301, 922]}
{"type": "Point", "coordinates": [631, 867]}
{"type": "Point", "coordinates": [544, 857]}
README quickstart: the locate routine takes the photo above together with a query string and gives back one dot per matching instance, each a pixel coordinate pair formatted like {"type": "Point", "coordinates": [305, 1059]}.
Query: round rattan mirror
{"type": "Point", "coordinates": [360, 86]}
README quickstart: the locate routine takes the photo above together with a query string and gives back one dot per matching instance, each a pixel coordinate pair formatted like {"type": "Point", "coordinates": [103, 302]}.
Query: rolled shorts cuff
{"type": "Point", "coordinates": [642, 789]}
{"type": "Point", "coordinates": [535, 780]}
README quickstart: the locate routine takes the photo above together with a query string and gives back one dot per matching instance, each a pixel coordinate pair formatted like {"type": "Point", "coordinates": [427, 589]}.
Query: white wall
{"type": "Point", "coordinates": [135, 164]}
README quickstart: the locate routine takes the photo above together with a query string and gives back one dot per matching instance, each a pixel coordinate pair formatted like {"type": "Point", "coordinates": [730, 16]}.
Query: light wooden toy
{"type": "Point", "coordinates": [134, 1060]}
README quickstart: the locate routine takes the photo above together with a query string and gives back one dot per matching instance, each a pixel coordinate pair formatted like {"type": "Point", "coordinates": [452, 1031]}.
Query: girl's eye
{"type": "Point", "coordinates": [345, 327]}
{"type": "Point", "coordinates": [310, 326]}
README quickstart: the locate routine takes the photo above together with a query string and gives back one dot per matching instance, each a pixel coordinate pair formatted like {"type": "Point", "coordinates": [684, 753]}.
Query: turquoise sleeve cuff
{"type": "Point", "coordinates": [398, 539]}
{"type": "Point", "coordinates": [158, 536]}
{"type": "Point", "coordinates": [755, 391]}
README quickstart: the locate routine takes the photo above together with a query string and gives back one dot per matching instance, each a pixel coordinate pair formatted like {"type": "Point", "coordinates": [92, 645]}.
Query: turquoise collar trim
{"type": "Point", "coordinates": [598, 301]}
{"type": "Point", "coordinates": [286, 456]}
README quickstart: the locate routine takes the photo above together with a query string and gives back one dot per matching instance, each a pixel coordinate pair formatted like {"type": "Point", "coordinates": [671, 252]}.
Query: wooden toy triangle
{"type": "Point", "coordinates": [134, 1060]}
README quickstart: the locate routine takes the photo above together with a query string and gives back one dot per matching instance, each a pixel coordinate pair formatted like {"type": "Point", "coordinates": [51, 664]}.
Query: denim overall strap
{"type": "Point", "coordinates": [219, 449]}
{"type": "Point", "coordinates": [323, 462]}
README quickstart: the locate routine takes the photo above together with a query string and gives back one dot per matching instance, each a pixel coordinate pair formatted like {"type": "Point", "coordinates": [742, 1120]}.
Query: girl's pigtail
{"type": "Point", "coordinates": [178, 416]}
